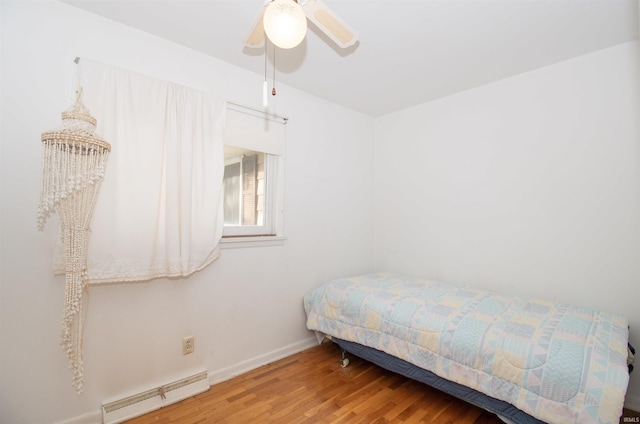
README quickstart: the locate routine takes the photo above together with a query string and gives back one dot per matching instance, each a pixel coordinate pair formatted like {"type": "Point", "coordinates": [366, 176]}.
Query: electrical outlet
{"type": "Point", "coordinates": [188, 345]}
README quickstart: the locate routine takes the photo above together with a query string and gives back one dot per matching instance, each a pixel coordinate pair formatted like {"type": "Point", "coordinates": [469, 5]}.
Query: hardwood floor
{"type": "Point", "coordinates": [312, 387]}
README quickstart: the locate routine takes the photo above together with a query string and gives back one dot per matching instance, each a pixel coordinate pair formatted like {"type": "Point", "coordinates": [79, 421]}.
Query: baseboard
{"type": "Point", "coordinates": [253, 363]}
{"type": "Point", "coordinates": [151, 400]}
{"type": "Point", "coordinates": [88, 418]}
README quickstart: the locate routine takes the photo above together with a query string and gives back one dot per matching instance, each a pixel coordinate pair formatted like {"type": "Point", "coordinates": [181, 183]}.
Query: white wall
{"type": "Point", "coordinates": [530, 185]}
{"type": "Point", "coordinates": [244, 309]}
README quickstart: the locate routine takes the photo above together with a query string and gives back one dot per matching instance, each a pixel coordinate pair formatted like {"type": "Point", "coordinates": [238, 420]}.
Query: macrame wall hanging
{"type": "Point", "coordinates": [73, 167]}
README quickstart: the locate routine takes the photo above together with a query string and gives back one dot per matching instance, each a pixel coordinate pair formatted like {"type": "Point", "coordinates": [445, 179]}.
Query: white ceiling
{"type": "Point", "coordinates": [409, 52]}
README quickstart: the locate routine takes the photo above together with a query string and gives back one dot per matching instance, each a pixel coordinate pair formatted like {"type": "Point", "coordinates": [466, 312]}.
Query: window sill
{"type": "Point", "coordinates": [251, 241]}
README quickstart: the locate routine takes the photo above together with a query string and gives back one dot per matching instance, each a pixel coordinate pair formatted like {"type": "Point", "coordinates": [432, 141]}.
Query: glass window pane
{"type": "Point", "coordinates": [231, 189]}
{"type": "Point", "coordinates": [244, 187]}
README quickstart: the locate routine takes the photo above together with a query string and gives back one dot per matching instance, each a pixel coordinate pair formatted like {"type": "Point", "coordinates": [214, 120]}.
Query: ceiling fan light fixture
{"type": "Point", "coordinates": [285, 23]}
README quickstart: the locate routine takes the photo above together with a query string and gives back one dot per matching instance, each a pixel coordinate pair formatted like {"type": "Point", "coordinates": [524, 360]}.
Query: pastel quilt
{"type": "Point", "coordinates": [557, 362]}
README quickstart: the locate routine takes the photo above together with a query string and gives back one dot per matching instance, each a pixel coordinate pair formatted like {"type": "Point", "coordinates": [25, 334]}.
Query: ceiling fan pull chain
{"type": "Point", "coordinates": [273, 91]}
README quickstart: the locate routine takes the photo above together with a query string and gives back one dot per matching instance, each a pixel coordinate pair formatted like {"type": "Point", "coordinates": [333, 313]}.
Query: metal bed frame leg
{"type": "Point", "coordinates": [345, 361]}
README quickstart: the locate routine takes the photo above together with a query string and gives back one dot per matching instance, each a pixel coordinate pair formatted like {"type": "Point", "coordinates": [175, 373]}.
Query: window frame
{"type": "Point", "coordinates": [270, 205]}
{"type": "Point", "coordinates": [272, 232]}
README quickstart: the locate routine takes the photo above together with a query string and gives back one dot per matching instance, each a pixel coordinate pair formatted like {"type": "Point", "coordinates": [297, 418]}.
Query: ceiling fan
{"type": "Point", "coordinates": [315, 11]}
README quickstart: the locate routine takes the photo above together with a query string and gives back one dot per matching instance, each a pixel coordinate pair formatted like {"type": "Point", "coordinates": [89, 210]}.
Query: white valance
{"type": "Point", "coordinates": [255, 131]}
{"type": "Point", "coordinates": [160, 210]}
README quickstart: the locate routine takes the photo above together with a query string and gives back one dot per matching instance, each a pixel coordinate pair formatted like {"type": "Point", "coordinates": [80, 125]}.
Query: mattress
{"type": "Point", "coordinates": [556, 362]}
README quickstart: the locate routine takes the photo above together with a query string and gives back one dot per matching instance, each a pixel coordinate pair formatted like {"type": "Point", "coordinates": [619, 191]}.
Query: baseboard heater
{"type": "Point", "coordinates": [151, 400]}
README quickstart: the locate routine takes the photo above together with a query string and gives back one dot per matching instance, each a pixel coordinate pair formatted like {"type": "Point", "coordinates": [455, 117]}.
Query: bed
{"type": "Point", "coordinates": [527, 360]}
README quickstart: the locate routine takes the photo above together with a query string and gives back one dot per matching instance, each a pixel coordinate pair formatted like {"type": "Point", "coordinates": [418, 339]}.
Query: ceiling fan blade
{"type": "Point", "coordinates": [331, 24]}
{"type": "Point", "coordinates": [257, 36]}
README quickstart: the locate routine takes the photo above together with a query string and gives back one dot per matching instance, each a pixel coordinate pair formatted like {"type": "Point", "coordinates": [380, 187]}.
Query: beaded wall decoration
{"type": "Point", "coordinates": [73, 167]}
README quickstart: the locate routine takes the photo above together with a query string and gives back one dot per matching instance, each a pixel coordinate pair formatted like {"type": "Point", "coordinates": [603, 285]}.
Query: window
{"type": "Point", "coordinates": [248, 203]}
{"type": "Point", "coordinates": [252, 186]}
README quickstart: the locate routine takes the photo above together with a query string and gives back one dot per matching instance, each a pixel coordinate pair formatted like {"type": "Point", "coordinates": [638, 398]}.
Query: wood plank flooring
{"type": "Point", "coordinates": [312, 387]}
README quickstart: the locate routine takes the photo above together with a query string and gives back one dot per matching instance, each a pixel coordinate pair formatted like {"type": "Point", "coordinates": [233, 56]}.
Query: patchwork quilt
{"type": "Point", "coordinates": [559, 363]}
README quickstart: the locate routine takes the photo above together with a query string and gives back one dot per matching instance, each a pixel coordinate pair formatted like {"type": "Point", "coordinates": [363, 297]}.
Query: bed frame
{"type": "Point", "coordinates": [505, 411]}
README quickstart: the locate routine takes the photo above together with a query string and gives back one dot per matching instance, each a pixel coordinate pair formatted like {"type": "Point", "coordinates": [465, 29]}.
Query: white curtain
{"type": "Point", "coordinates": [159, 213]}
